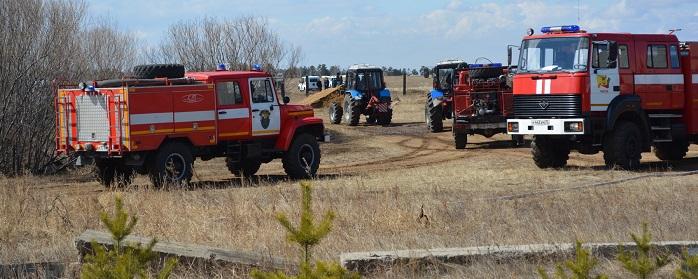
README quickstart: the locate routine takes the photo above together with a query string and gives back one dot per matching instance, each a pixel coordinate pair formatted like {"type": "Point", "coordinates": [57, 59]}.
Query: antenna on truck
{"type": "Point", "coordinates": [672, 31]}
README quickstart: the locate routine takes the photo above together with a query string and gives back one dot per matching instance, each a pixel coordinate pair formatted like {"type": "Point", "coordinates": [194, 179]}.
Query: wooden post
{"type": "Point", "coordinates": [404, 82]}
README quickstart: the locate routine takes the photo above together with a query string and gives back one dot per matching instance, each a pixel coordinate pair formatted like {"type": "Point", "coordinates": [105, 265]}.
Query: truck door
{"type": "Point", "coordinates": [266, 116]}
{"type": "Point", "coordinates": [604, 78]}
{"type": "Point", "coordinates": [233, 114]}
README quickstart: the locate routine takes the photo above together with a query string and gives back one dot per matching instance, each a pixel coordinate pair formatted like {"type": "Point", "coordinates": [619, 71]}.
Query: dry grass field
{"type": "Point", "coordinates": [376, 179]}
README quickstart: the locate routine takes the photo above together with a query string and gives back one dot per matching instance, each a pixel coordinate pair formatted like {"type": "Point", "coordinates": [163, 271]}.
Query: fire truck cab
{"type": "Point", "coordinates": [160, 126]}
{"type": "Point", "coordinates": [618, 93]}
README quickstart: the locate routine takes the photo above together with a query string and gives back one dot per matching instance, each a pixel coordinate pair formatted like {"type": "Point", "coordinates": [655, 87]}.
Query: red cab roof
{"type": "Point", "coordinates": [219, 75]}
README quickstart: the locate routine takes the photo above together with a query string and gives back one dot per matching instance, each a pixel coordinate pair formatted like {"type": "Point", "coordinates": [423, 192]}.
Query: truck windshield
{"type": "Point", "coordinates": [554, 54]}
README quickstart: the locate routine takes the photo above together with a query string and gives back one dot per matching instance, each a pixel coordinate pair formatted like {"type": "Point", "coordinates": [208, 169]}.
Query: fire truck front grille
{"type": "Point", "coordinates": [557, 106]}
{"type": "Point", "coordinates": [92, 121]}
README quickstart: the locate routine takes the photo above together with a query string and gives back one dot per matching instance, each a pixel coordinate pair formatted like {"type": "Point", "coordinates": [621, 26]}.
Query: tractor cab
{"type": "Point", "coordinates": [439, 103]}
{"type": "Point", "coordinates": [444, 75]}
{"type": "Point", "coordinates": [365, 94]}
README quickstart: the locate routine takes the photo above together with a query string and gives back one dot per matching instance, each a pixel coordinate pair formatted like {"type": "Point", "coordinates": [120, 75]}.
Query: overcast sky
{"type": "Point", "coordinates": [403, 33]}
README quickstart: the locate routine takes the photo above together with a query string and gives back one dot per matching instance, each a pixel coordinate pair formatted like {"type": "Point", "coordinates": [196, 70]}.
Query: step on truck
{"type": "Point", "coordinates": [481, 102]}
{"type": "Point", "coordinates": [439, 101]}
{"type": "Point", "coordinates": [617, 93]}
{"type": "Point", "coordinates": [159, 122]}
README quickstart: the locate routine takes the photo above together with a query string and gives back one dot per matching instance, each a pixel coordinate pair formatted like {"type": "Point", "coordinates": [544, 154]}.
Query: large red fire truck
{"type": "Point", "coordinates": [158, 126]}
{"type": "Point", "coordinates": [618, 93]}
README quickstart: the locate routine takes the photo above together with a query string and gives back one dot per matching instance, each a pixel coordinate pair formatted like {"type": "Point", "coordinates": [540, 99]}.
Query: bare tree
{"type": "Point", "coordinates": [240, 42]}
{"type": "Point", "coordinates": [42, 43]}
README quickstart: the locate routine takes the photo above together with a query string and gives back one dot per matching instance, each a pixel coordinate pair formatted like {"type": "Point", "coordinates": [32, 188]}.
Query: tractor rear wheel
{"type": "Point", "coordinates": [434, 116]}
{"type": "Point", "coordinates": [302, 158]}
{"type": "Point", "coordinates": [159, 71]}
{"type": "Point", "coordinates": [461, 140]}
{"type": "Point", "coordinates": [385, 118]}
{"type": "Point", "coordinates": [549, 152]}
{"type": "Point", "coordinates": [245, 168]}
{"type": "Point", "coordinates": [352, 110]}
{"type": "Point", "coordinates": [172, 164]}
{"type": "Point", "coordinates": [623, 146]}
{"type": "Point", "coordinates": [336, 112]}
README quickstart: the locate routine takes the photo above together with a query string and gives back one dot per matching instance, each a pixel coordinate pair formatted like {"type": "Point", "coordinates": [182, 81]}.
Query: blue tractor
{"type": "Point", "coordinates": [439, 103]}
{"type": "Point", "coordinates": [365, 93]}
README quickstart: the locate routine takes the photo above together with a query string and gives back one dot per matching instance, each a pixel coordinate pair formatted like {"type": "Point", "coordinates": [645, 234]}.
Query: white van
{"type": "Point", "coordinates": [313, 83]}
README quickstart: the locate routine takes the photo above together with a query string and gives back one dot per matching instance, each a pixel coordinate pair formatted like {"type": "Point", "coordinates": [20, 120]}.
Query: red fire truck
{"type": "Point", "coordinates": [618, 93]}
{"type": "Point", "coordinates": [158, 126]}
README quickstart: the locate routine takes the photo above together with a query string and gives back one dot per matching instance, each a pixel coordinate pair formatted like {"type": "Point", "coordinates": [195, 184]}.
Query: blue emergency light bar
{"type": "Point", "coordinates": [492, 65]}
{"type": "Point", "coordinates": [563, 29]}
{"type": "Point", "coordinates": [257, 68]}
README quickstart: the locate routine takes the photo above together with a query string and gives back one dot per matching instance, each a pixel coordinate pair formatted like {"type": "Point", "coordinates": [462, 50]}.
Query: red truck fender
{"type": "Point", "coordinates": [310, 125]}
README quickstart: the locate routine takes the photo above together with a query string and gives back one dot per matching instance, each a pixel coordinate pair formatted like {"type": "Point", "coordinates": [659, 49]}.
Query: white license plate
{"type": "Point", "coordinates": [540, 122]}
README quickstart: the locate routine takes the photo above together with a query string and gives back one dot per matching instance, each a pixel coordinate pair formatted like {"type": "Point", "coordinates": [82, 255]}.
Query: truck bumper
{"type": "Point", "coordinates": [568, 126]}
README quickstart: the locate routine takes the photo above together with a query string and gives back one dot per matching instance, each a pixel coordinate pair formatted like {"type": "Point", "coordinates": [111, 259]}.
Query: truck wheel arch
{"type": "Point", "coordinates": [628, 108]}
{"type": "Point", "coordinates": [287, 136]}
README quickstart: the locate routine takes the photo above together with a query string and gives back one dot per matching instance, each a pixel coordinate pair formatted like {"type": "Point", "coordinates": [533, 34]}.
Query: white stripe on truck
{"type": "Point", "coordinates": [233, 113]}
{"type": "Point", "coordinates": [191, 116]}
{"type": "Point", "coordinates": [151, 118]}
{"type": "Point", "coordinates": [659, 79]}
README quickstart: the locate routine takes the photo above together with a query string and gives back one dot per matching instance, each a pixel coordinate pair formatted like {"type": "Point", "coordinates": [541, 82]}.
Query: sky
{"type": "Point", "coordinates": [405, 33]}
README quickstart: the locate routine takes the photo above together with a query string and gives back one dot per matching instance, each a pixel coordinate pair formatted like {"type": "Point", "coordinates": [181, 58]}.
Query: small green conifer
{"type": "Point", "coordinates": [581, 266]}
{"type": "Point", "coordinates": [122, 262]}
{"type": "Point", "coordinates": [688, 268]}
{"type": "Point", "coordinates": [641, 263]}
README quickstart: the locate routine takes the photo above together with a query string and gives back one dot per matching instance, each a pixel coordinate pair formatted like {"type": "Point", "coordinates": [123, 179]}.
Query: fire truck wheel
{"type": "Point", "coordinates": [352, 110]}
{"type": "Point", "coordinates": [336, 112]}
{"type": "Point", "coordinates": [671, 151]}
{"type": "Point", "coordinates": [623, 147]}
{"type": "Point", "coordinates": [550, 152]}
{"type": "Point", "coordinates": [105, 172]}
{"type": "Point", "coordinates": [385, 118]}
{"type": "Point", "coordinates": [172, 165]}
{"type": "Point", "coordinates": [302, 158]}
{"type": "Point", "coordinates": [159, 71]}
{"type": "Point", "coordinates": [434, 116]}
{"type": "Point", "coordinates": [461, 140]}
{"type": "Point", "coordinates": [485, 73]}
{"type": "Point", "coordinates": [243, 169]}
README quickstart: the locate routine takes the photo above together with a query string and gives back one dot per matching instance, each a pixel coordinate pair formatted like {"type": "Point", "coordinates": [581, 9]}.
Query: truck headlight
{"type": "Point", "coordinates": [574, 126]}
{"type": "Point", "coordinates": [513, 127]}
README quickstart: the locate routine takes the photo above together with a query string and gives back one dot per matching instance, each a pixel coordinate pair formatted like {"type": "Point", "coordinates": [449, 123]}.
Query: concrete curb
{"type": "Point", "coordinates": [368, 262]}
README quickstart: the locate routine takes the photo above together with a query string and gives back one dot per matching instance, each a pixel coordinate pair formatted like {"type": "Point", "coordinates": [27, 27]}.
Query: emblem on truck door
{"type": "Point", "coordinates": [264, 118]}
{"type": "Point", "coordinates": [544, 104]}
{"type": "Point", "coordinates": [192, 98]}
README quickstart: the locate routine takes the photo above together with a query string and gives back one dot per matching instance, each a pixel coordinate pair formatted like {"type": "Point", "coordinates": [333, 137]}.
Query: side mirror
{"type": "Point", "coordinates": [425, 74]}
{"type": "Point", "coordinates": [509, 53]}
{"type": "Point", "coordinates": [286, 100]}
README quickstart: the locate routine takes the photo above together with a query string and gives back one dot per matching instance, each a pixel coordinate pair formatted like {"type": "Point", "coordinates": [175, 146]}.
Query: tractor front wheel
{"type": "Point", "coordinates": [336, 112]}
{"type": "Point", "coordinates": [302, 158]}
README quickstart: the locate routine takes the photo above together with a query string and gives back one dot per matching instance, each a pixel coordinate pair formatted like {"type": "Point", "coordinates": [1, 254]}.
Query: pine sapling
{"type": "Point", "coordinates": [308, 234]}
{"type": "Point", "coordinates": [581, 267]}
{"type": "Point", "coordinates": [688, 268]}
{"type": "Point", "coordinates": [641, 263]}
{"type": "Point", "coordinates": [122, 262]}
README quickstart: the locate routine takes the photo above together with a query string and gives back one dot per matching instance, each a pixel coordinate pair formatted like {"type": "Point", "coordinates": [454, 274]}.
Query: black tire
{"type": "Point", "coordinates": [434, 116]}
{"type": "Point", "coordinates": [671, 151]}
{"type": "Point", "coordinates": [112, 173]}
{"type": "Point", "coordinates": [485, 73]}
{"type": "Point", "coordinates": [159, 71]}
{"type": "Point", "coordinates": [245, 168]}
{"type": "Point", "coordinates": [517, 140]}
{"type": "Point", "coordinates": [171, 165]}
{"type": "Point", "coordinates": [302, 158]}
{"type": "Point", "coordinates": [371, 119]}
{"type": "Point", "coordinates": [461, 140]}
{"type": "Point", "coordinates": [550, 152]}
{"type": "Point", "coordinates": [384, 118]}
{"type": "Point", "coordinates": [336, 113]}
{"type": "Point", "coordinates": [352, 110]}
{"type": "Point", "coordinates": [623, 147]}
